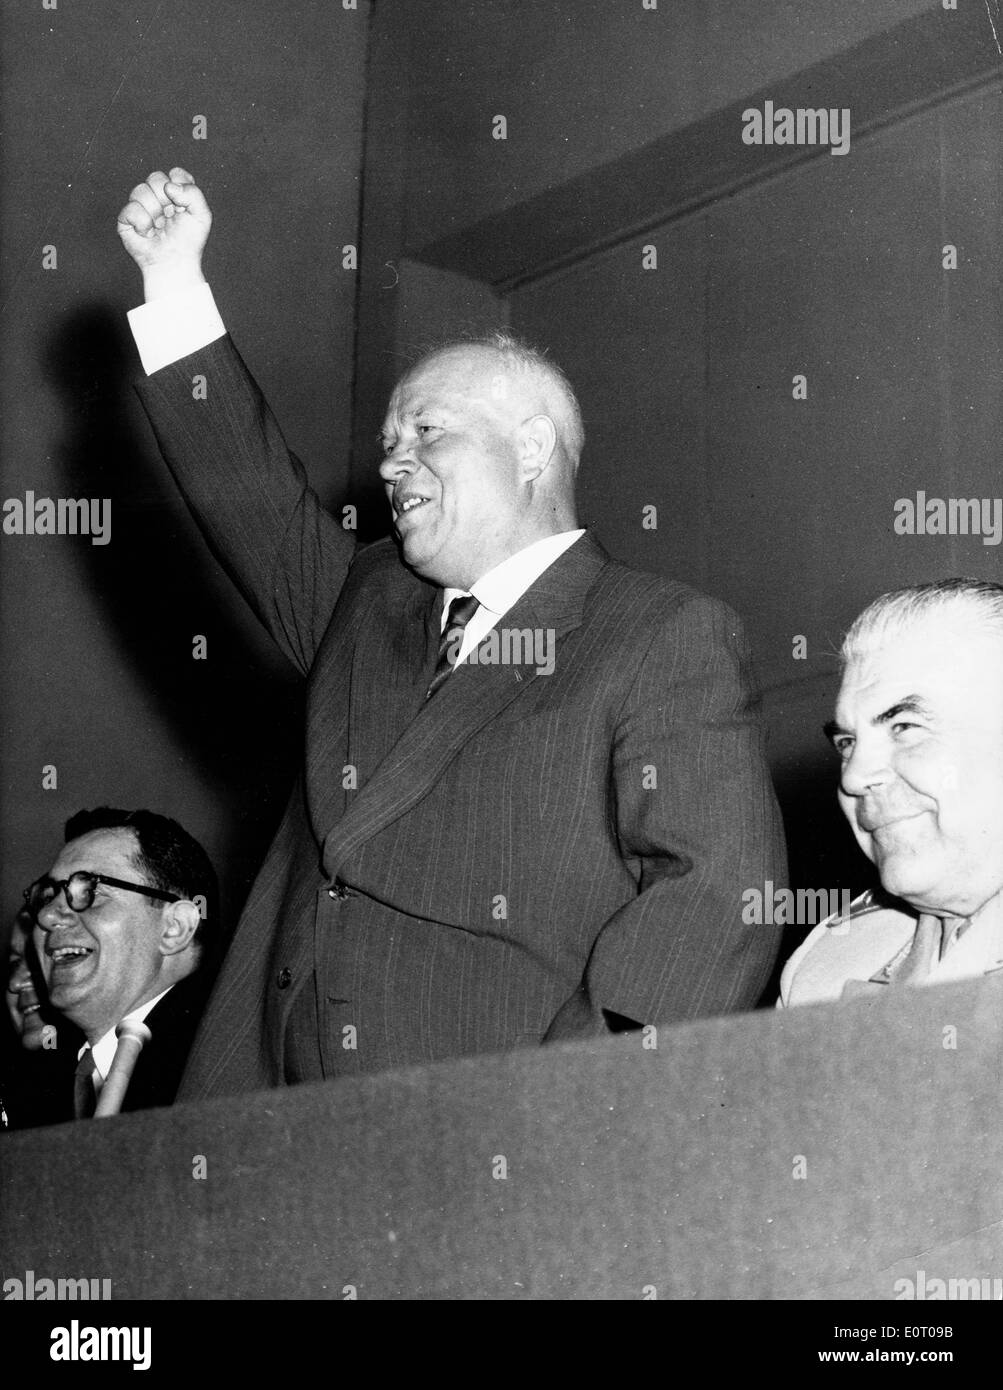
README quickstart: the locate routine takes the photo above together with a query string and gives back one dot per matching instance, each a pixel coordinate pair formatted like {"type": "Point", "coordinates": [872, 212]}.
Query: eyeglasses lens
{"type": "Point", "coordinates": [79, 893]}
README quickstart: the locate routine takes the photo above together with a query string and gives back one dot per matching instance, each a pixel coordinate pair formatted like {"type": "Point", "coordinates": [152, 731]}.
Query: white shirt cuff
{"type": "Point", "coordinates": [168, 329]}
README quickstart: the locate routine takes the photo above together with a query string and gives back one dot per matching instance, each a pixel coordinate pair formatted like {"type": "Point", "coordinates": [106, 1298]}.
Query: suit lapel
{"type": "Point", "coordinates": [388, 675]}
{"type": "Point", "coordinates": [172, 1024]}
{"type": "Point", "coordinates": [471, 697]}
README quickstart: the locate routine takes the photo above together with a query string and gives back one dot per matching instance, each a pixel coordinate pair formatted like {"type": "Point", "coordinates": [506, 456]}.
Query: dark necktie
{"type": "Point", "coordinates": [461, 610]}
{"type": "Point", "coordinates": [84, 1094]}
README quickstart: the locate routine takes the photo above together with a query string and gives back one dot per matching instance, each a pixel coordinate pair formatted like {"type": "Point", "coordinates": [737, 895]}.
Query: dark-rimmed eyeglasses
{"type": "Point", "coordinates": [79, 889]}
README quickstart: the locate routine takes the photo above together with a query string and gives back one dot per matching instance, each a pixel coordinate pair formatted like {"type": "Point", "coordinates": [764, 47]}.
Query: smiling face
{"type": "Point", "coordinates": [455, 467]}
{"type": "Point", "coordinates": [100, 963]}
{"type": "Point", "coordinates": [919, 726]}
{"type": "Point", "coordinates": [24, 987]}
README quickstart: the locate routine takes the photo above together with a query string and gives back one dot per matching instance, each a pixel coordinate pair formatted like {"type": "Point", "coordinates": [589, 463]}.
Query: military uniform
{"type": "Point", "coordinates": [870, 946]}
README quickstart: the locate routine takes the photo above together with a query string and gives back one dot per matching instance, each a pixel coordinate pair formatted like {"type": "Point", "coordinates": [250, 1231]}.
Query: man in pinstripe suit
{"type": "Point", "coordinates": [480, 854]}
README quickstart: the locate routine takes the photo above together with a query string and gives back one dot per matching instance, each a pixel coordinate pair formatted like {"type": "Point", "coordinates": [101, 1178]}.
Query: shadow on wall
{"type": "Point", "coordinates": [236, 716]}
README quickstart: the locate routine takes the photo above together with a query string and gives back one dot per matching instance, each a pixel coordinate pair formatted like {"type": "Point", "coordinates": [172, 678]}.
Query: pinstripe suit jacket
{"type": "Point", "coordinates": [521, 852]}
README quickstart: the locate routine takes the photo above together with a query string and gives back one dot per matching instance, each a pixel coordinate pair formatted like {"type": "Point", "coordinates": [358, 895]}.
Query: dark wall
{"type": "Point", "coordinates": [584, 82]}
{"type": "Point", "coordinates": [784, 507]}
{"type": "Point", "coordinates": [99, 678]}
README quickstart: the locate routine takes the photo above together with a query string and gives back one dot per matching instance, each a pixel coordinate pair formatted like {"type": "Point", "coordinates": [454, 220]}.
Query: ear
{"type": "Point", "coordinates": [537, 438]}
{"type": "Point", "coordinates": [179, 924]}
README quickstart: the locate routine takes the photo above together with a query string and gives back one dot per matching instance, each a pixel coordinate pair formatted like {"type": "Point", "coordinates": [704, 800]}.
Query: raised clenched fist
{"type": "Point", "coordinates": [164, 227]}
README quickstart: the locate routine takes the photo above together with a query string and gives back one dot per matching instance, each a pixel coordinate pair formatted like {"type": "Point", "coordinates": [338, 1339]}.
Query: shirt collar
{"type": "Point", "coordinates": [975, 950]}
{"type": "Point", "coordinates": [104, 1048]}
{"type": "Point", "coordinates": [502, 587]}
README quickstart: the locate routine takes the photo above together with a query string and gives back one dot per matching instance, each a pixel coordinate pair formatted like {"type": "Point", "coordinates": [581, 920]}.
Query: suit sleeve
{"type": "Point", "coordinates": [698, 824]}
{"type": "Point", "coordinates": [249, 495]}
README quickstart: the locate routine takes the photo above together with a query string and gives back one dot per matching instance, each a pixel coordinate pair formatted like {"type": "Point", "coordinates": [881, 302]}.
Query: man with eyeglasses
{"type": "Point", "coordinates": [121, 924]}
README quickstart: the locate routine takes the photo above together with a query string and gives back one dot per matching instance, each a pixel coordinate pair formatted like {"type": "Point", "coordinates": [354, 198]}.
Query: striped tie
{"type": "Point", "coordinates": [461, 610]}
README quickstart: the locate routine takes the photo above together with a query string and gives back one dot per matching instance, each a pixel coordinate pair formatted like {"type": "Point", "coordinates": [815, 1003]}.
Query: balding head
{"type": "Point", "coordinates": [530, 377]}
{"type": "Point", "coordinates": [481, 443]}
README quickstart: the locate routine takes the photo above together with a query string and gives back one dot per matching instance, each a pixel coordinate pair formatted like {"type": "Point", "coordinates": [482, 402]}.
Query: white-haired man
{"type": "Point", "coordinates": [490, 847]}
{"type": "Point", "coordinates": [919, 729]}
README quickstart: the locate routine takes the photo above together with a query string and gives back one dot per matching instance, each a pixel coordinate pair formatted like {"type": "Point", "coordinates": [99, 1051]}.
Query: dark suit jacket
{"type": "Point", "coordinates": [173, 1025]}
{"type": "Point", "coordinates": [36, 1088]}
{"type": "Point", "coordinates": [520, 853]}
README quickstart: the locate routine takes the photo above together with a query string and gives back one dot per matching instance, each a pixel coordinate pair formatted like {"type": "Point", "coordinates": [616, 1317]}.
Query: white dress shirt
{"type": "Point", "coordinates": [105, 1047]}
{"type": "Point", "coordinates": [502, 587]}
{"type": "Point", "coordinates": [165, 330]}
